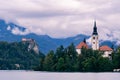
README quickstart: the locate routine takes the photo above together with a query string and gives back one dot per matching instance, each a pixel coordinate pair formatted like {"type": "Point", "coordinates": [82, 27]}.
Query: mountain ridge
{"type": "Point", "coordinates": [12, 32]}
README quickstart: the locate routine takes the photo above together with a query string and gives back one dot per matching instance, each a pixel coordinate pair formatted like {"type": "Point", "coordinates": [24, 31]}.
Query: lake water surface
{"type": "Point", "coordinates": [32, 75]}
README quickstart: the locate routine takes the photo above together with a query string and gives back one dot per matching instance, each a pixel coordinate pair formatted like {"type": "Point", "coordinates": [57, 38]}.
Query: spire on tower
{"type": "Point", "coordinates": [95, 29]}
{"type": "Point", "coordinates": [84, 40]}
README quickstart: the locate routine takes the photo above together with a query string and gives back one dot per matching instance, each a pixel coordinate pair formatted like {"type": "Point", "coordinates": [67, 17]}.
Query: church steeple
{"type": "Point", "coordinates": [95, 40]}
{"type": "Point", "coordinates": [95, 29]}
{"type": "Point", "coordinates": [84, 40]}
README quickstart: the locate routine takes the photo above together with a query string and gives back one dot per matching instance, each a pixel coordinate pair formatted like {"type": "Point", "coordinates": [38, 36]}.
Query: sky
{"type": "Point", "coordinates": [64, 18]}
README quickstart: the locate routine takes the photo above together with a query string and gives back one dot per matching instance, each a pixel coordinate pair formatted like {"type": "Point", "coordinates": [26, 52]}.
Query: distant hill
{"type": "Point", "coordinates": [16, 56]}
{"type": "Point", "coordinates": [12, 32]}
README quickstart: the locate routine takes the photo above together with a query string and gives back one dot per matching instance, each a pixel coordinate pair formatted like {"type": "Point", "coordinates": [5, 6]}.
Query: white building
{"type": "Point", "coordinates": [95, 44]}
{"type": "Point", "coordinates": [80, 46]}
{"type": "Point", "coordinates": [95, 39]}
{"type": "Point", "coordinates": [106, 50]}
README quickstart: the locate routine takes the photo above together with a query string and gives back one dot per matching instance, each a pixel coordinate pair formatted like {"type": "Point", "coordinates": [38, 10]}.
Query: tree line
{"type": "Point", "coordinates": [68, 60]}
{"type": "Point", "coordinates": [15, 55]}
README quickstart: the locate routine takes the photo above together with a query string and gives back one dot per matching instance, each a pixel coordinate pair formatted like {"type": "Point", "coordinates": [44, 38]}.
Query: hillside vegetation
{"type": "Point", "coordinates": [67, 60]}
{"type": "Point", "coordinates": [16, 56]}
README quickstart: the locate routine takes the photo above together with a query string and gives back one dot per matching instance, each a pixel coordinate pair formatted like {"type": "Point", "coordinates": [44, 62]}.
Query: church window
{"type": "Point", "coordinates": [109, 54]}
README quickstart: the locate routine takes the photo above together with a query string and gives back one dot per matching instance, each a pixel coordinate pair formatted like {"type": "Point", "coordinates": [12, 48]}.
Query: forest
{"type": "Point", "coordinates": [68, 60]}
{"type": "Point", "coordinates": [15, 56]}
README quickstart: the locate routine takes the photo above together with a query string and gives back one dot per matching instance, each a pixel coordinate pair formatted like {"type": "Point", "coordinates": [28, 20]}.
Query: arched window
{"type": "Point", "coordinates": [93, 37]}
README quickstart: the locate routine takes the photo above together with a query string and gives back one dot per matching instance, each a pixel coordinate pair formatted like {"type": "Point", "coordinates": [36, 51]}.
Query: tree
{"type": "Point", "coordinates": [49, 61]}
{"type": "Point", "coordinates": [71, 52]}
{"type": "Point", "coordinates": [60, 65]}
{"type": "Point", "coordinates": [15, 56]}
{"type": "Point", "coordinates": [68, 64]}
{"type": "Point", "coordinates": [105, 65]}
{"type": "Point", "coordinates": [60, 52]}
{"type": "Point", "coordinates": [79, 65]}
{"type": "Point", "coordinates": [67, 59]}
{"type": "Point", "coordinates": [89, 65]}
{"type": "Point", "coordinates": [116, 59]}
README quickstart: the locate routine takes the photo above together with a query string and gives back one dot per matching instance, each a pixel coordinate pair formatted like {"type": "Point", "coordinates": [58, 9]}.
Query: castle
{"type": "Point", "coordinates": [95, 44]}
{"type": "Point", "coordinates": [32, 45]}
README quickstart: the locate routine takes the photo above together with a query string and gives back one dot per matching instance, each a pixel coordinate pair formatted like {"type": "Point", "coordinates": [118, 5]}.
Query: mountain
{"type": "Point", "coordinates": [12, 32]}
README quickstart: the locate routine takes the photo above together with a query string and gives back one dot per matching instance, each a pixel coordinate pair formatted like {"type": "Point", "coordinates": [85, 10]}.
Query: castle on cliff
{"type": "Point", "coordinates": [32, 45]}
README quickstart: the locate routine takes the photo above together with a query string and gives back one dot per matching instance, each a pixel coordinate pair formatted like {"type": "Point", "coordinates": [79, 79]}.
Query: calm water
{"type": "Point", "coordinates": [31, 75]}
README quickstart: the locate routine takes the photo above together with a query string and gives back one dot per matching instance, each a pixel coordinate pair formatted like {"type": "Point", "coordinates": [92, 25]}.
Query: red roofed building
{"type": "Point", "coordinates": [81, 45]}
{"type": "Point", "coordinates": [107, 50]}
{"type": "Point", "coordinates": [95, 44]}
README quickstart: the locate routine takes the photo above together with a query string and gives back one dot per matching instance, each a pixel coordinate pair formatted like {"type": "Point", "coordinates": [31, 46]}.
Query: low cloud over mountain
{"type": "Point", "coordinates": [12, 32]}
{"type": "Point", "coordinates": [71, 17]}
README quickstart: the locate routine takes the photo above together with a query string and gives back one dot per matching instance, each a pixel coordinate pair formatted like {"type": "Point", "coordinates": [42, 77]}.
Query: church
{"type": "Point", "coordinates": [95, 44]}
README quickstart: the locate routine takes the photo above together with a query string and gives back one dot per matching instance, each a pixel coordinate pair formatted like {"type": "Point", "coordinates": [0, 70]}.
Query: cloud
{"type": "Point", "coordinates": [16, 31]}
{"type": "Point", "coordinates": [64, 18]}
{"type": "Point", "coordinates": [106, 34]}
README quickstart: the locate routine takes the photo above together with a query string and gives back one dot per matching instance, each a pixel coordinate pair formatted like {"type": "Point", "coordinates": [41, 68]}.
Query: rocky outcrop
{"type": "Point", "coordinates": [32, 44]}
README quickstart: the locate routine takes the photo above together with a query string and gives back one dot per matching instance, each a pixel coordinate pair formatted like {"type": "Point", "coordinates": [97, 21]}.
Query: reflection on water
{"type": "Point", "coordinates": [31, 75]}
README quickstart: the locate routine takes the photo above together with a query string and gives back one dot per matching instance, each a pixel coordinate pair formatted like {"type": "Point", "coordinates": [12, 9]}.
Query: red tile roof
{"type": "Point", "coordinates": [105, 48]}
{"type": "Point", "coordinates": [82, 44]}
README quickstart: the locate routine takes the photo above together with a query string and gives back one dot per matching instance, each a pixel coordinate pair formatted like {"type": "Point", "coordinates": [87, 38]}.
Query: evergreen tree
{"type": "Point", "coordinates": [16, 56]}
{"type": "Point", "coordinates": [105, 65]}
{"type": "Point", "coordinates": [71, 51]}
{"type": "Point", "coordinates": [67, 60]}
{"type": "Point", "coordinates": [116, 59]}
{"type": "Point", "coordinates": [49, 61]}
{"type": "Point", "coordinates": [60, 52]}
{"type": "Point", "coordinates": [60, 65]}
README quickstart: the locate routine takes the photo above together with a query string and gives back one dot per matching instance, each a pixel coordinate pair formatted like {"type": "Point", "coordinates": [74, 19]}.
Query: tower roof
{"type": "Point", "coordinates": [95, 29]}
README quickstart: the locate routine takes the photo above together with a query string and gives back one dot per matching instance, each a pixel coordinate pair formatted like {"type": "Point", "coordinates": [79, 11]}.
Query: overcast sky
{"type": "Point", "coordinates": [64, 18]}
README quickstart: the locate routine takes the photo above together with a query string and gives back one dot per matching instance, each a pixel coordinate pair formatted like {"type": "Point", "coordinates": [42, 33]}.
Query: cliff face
{"type": "Point", "coordinates": [32, 45]}
{"type": "Point", "coordinates": [15, 55]}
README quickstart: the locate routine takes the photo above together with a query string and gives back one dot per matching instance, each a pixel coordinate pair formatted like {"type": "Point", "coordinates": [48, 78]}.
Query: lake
{"type": "Point", "coordinates": [32, 75]}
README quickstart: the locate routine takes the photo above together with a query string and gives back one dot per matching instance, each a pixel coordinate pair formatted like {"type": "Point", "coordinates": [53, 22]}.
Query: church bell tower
{"type": "Point", "coordinates": [95, 40]}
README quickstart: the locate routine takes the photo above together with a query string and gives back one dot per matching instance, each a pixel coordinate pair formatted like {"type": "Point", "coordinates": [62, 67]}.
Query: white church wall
{"type": "Point", "coordinates": [95, 42]}
{"type": "Point", "coordinates": [78, 51]}
{"type": "Point", "coordinates": [107, 53]}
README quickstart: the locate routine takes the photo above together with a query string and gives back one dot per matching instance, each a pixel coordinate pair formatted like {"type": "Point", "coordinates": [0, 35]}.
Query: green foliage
{"type": "Point", "coordinates": [67, 60]}
{"type": "Point", "coordinates": [60, 65]}
{"type": "Point", "coordinates": [60, 52]}
{"type": "Point", "coordinates": [49, 61]}
{"type": "Point", "coordinates": [94, 62]}
{"type": "Point", "coordinates": [105, 64]}
{"type": "Point", "coordinates": [16, 56]}
{"type": "Point", "coordinates": [89, 65]}
{"type": "Point", "coordinates": [116, 59]}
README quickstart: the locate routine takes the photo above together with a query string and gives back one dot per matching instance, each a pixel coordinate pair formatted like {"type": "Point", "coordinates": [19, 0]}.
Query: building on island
{"type": "Point", "coordinates": [80, 46]}
{"type": "Point", "coordinates": [106, 50]}
{"type": "Point", "coordinates": [95, 44]}
{"type": "Point", "coordinates": [95, 38]}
